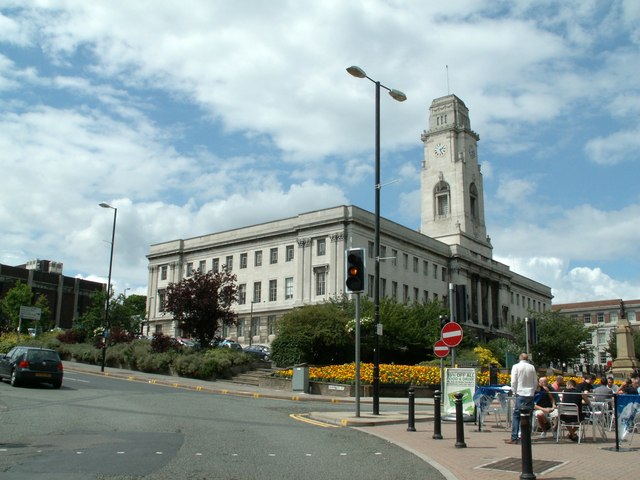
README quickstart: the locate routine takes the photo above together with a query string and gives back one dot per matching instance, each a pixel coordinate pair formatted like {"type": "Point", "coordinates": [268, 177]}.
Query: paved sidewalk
{"type": "Point", "coordinates": [486, 456]}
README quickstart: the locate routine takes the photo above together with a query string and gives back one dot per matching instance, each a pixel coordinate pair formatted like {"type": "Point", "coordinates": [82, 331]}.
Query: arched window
{"type": "Point", "coordinates": [441, 197]}
{"type": "Point", "coordinates": [473, 201]}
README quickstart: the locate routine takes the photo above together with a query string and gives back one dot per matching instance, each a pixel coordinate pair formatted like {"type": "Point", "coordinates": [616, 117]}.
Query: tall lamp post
{"type": "Point", "coordinates": [105, 332]}
{"type": "Point", "coordinates": [400, 97]}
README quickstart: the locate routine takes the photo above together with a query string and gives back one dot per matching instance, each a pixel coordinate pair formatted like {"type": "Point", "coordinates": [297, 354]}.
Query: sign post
{"type": "Point", "coordinates": [28, 313]}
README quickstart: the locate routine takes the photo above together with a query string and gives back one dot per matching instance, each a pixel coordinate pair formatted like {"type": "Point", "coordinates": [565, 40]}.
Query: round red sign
{"type": "Point", "coordinates": [451, 334]}
{"type": "Point", "coordinates": [440, 349]}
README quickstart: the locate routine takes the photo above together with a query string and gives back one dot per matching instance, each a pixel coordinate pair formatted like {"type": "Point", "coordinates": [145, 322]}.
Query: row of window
{"type": "Point", "coordinates": [415, 262]}
{"type": "Point", "coordinates": [289, 252]}
{"type": "Point", "coordinates": [601, 317]}
{"type": "Point", "coordinates": [250, 326]}
{"type": "Point", "coordinates": [272, 293]}
{"type": "Point", "coordinates": [527, 303]}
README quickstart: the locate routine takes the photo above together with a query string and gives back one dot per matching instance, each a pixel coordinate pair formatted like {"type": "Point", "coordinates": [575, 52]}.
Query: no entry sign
{"type": "Point", "coordinates": [451, 334]}
{"type": "Point", "coordinates": [440, 349]}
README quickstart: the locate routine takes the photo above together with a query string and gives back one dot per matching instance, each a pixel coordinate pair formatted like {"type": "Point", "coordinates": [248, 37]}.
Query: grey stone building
{"type": "Point", "coordinates": [300, 260]}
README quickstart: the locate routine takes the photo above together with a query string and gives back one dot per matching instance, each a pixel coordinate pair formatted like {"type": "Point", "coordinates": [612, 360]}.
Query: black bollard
{"type": "Point", "coordinates": [412, 410]}
{"type": "Point", "coordinates": [525, 442]}
{"type": "Point", "coordinates": [459, 422]}
{"type": "Point", "coordinates": [437, 420]}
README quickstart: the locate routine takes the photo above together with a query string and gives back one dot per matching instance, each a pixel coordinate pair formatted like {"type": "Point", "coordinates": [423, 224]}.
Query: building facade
{"type": "Point", "coordinates": [68, 297]}
{"type": "Point", "coordinates": [300, 260]}
{"type": "Point", "coordinates": [602, 317]}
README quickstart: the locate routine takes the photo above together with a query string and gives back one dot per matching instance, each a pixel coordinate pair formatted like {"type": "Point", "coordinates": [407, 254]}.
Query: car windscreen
{"type": "Point", "coordinates": [42, 356]}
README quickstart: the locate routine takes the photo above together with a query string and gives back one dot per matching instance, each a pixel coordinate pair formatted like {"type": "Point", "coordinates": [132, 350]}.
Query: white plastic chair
{"type": "Point", "coordinates": [570, 410]}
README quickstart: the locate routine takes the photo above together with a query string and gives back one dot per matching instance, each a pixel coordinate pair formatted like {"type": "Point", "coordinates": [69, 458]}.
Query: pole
{"type": "Point", "coordinates": [526, 332]}
{"type": "Point", "coordinates": [452, 318]}
{"type": "Point", "coordinates": [437, 419]}
{"type": "Point", "coordinates": [357, 379]}
{"type": "Point", "coordinates": [411, 427]}
{"type": "Point", "coordinates": [106, 310]}
{"type": "Point", "coordinates": [525, 441]}
{"type": "Point", "coordinates": [376, 277]}
{"type": "Point", "coordinates": [251, 324]}
{"type": "Point", "coordinates": [460, 443]}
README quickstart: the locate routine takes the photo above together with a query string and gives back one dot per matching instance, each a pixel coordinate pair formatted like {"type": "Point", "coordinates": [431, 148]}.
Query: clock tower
{"type": "Point", "coordinates": [451, 181]}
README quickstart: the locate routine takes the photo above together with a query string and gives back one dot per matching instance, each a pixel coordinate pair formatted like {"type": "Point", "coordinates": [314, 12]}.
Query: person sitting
{"type": "Point", "coordinates": [586, 386]}
{"type": "Point", "coordinates": [630, 386]}
{"type": "Point", "coordinates": [572, 395]}
{"type": "Point", "coordinates": [556, 387]}
{"type": "Point", "coordinates": [544, 406]}
{"type": "Point", "coordinates": [602, 392]}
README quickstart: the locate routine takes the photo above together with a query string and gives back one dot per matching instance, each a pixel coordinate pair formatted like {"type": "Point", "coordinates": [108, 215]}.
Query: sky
{"type": "Point", "coordinates": [200, 116]}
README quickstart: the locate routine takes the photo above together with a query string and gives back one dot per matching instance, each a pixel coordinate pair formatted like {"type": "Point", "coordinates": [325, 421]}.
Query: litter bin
{"type": "Point", "coordinates": [300, 380]}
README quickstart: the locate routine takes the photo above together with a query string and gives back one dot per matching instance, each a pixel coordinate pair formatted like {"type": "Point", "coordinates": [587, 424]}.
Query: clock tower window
{"type": "Point", "coordinates": [473, 201]}
{"type": "Point", "coordinates": [441, 194]}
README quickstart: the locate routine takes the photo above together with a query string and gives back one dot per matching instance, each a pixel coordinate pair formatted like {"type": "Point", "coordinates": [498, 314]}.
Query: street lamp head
{"type": "Point", "coordinates": [356, 72]}
{"type": "Point", "coordinates": [105, 205]}
{"type": "Point", "coordinates": [397, 95]}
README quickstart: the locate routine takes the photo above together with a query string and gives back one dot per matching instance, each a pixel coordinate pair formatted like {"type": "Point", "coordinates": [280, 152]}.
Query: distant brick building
{"type": "Point", "coordinates": [603, 316]}
{"type": "Point", "coordinates": [68, 297]}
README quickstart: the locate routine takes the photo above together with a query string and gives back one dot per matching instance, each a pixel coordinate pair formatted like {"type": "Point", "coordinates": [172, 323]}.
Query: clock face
{"type": "Point", "coordinates": [472, 152]}
{"type": "Point", "coordinates": [440, 149]}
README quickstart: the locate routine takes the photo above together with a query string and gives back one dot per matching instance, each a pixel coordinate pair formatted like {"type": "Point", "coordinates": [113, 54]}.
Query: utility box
{"type": "Point", "coordinates": [300, 380]}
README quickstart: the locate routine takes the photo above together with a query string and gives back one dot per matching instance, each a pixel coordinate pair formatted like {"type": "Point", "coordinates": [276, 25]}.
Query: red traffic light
{"type": "Point", "coordinates": [355, 270]}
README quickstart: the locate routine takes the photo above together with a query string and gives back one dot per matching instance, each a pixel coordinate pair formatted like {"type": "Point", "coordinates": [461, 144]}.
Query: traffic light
{"type": "Point", "coordinates": [355, 270]}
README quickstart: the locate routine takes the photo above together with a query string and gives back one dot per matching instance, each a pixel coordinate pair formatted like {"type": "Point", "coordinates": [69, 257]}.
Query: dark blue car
{"type": "Point", "coordinates": [31, 365]}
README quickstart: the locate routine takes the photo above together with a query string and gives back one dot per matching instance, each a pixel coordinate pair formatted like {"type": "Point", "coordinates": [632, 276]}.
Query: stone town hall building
{"type": "Point", "coordinates": [300, 260]}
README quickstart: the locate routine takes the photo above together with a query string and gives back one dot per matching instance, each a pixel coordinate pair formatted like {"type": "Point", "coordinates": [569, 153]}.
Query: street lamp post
{"type": "Point", "coordinates": [400, 97]}
{"type": "Point", "coordinates": [105, 332]}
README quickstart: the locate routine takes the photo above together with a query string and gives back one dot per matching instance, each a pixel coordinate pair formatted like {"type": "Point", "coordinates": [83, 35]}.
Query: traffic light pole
{"type": "Point", "coordinates": [357, 376]}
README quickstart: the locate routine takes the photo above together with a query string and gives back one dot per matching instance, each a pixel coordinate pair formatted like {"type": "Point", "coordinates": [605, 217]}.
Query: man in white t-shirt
{"type": "Point", "coordinates": [524, 382]}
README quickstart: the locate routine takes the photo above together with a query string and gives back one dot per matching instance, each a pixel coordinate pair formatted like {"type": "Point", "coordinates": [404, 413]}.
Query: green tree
{"type": "Point", "coordinates": [409, 331]}
{"type": "Point", "coordinates": [92, 321]}
{"type": "Point", "coordinates": [315, 334]}
{"type": "Point", "coordinates": [126, 313]}
{"type": "Point", "coordinates": [560, 339]}
{"type": "Point", "coordinates": [46, 322]}
{"type": "Point", "coordinates": [20, 295]}
{"type": "Point", "coordinates": [202, 303]}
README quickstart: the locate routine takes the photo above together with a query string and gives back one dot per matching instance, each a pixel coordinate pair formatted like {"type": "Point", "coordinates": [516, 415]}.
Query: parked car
{"type": "Point", "coordinates": [261, 352]}
{"type": "Point", "coordinates": [186, 342]}
{"type": "Point", "coordinates": [230, 344]}
{"type": "Point", "coordinates": [31, 365]}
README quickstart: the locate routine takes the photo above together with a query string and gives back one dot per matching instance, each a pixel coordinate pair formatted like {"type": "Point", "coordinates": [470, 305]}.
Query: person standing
{"type": "Point", "coordinates": [524, 382]}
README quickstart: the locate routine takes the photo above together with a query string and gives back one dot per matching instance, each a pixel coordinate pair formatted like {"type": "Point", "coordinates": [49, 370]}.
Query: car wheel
{"type": "Point", "coordinates": [14, 379]}
{"type": "Point", "coordinates": [57, 385]}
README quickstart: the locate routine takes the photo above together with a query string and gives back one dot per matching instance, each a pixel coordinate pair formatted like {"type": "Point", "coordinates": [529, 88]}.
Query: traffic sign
{"type": "Point", "coordinates": [451, 334]}
{"type": "Point", "coordinates": [440, 349]}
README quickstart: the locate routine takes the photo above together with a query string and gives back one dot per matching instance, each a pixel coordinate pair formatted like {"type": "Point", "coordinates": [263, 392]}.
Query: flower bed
{"type": "Point", "coordinates": [417, 375]}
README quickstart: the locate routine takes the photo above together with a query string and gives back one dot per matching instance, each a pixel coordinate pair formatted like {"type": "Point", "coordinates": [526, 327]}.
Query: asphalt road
{"type": "Point", "coordinates": [106, 428]}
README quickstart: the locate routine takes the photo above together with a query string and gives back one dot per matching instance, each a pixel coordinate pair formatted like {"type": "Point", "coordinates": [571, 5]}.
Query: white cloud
{"type": "Point", "coordinates": [614, 148]}
{"type": "Point", "coordinates": [104, 103]}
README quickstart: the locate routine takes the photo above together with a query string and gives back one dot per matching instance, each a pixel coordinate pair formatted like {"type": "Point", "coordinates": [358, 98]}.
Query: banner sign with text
{"type": "Point", "coordinates": [461, 380]}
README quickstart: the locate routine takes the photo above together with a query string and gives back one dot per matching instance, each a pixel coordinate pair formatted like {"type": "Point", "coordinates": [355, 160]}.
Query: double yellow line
{"type": "Point", "coordinates": [304, 418]}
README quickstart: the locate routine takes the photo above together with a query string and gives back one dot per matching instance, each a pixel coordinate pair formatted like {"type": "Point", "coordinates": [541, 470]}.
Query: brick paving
{"type": "Point", "coordinates": [588, 461]}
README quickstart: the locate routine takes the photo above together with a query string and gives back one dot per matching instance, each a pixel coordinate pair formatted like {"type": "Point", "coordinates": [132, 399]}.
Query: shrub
{"type": "Point", "coordinates": [195, 365]}
{"type": "Point", "coordinates": [156, 362]}
{"type": "Point", "coordinates": [163, 343]}
{"type": "Point", "coordinates": [72, 336]}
